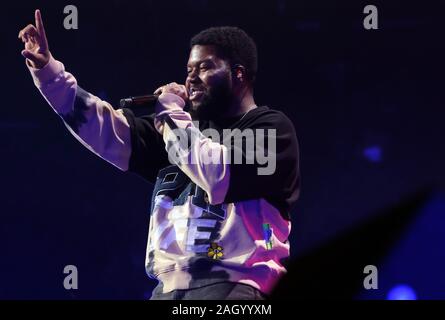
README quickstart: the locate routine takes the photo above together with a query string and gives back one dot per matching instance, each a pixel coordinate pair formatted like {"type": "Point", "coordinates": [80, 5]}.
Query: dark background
{"type": "Point", "coordinates": [367, 106]}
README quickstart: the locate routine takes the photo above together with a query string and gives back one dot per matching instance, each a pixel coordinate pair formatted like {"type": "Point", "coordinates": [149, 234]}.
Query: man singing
{"type": "Point", "coordinates": [219, 222]}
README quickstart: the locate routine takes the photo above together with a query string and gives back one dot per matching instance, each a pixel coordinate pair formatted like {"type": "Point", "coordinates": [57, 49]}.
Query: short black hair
{"type": "Point", "coordinates": [233, 44]}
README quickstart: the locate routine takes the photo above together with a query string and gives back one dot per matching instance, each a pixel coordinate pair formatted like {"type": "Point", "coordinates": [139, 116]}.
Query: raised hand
{"type": "Point", "coordinates": [36, 45]}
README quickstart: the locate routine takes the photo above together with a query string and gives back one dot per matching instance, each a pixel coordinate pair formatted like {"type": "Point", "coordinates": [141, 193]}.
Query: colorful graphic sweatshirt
{"type": "Point", "coordinates": [210, 221]}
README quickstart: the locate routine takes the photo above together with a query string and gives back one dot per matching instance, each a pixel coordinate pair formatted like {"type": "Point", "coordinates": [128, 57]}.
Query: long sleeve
{"type": "Point", "coordinates": [92, 121]}
{"type": "Point", "coordinates": [189, 149]}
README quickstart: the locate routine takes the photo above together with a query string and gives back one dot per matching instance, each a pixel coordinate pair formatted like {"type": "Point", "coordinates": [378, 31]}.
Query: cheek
{"type": "Point", "coordinates": [217, 79]}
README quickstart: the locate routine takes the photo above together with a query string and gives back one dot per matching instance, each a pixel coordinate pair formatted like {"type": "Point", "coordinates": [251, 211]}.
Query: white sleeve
{"type": "Point", "coordinates": [92, 121]}
{"type": "Point", "coordinates": [205, 162]}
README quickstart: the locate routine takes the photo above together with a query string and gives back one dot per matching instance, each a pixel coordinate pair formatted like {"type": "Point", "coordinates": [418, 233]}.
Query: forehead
{"type": "Point", "coordinates": [199, 53]}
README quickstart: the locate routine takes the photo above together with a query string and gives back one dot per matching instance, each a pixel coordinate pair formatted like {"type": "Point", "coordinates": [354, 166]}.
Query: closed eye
{"type": "Point", "coordinates": [205, 66]}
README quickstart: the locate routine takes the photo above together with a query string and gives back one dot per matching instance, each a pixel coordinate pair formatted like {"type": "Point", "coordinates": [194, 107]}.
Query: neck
{"type": "Point", "coordinates": [241, 103]}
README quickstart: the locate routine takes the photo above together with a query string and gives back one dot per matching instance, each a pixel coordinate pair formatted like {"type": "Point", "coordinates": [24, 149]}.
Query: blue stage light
{"type": "Point", "coordinates": [401, 292]}
{"type": "Point", "coordinates": [373, 153]}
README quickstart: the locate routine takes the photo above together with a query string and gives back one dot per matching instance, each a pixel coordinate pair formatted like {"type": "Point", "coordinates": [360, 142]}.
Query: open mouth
{"type": "Point", "coordinates": [195, 93]}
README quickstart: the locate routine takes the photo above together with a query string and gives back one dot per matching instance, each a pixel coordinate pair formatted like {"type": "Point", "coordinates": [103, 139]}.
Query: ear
{"type": "Point", "coordinates": [239, 72]}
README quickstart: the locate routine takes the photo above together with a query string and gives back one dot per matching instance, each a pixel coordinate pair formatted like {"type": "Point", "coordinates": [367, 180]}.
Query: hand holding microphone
{"type": "Point", "coordinates": [173, 87]}
{"type": "Point", "coordinates": [151, 99]}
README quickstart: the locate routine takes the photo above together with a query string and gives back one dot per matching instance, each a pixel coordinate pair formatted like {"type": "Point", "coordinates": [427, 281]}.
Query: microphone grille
{"type": "Point", "coordinates": [126, 102]}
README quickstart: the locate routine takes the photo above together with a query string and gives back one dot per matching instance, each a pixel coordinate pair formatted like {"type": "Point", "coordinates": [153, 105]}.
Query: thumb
{"type": "Point", "coordinates": [29, 55]}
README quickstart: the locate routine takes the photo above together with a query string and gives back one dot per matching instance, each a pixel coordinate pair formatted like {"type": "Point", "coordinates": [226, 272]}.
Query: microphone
{"type": "Point", "coordinates": [139, 101]}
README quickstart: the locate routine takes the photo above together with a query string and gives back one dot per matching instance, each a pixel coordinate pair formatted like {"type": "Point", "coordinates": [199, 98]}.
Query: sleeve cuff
{"type": "Point", "coordinates": [170, 102]}
{"type": "Point", "coordinates": [48, 73]}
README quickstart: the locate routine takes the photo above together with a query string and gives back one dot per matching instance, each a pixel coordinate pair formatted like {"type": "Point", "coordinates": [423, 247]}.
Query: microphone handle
{"type": "Point", "coordinates": [139, 101]}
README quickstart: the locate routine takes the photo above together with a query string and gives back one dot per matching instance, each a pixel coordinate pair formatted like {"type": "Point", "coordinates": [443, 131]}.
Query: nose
{"type": "Point", "coordinates": [192, 77]}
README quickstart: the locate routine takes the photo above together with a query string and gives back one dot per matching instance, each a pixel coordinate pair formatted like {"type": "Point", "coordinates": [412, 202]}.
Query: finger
{"type": "Point", "coordinates": [26, 37]}
{"type": "Point", "coordinates": [185, 92]}
{"type": "Point", "coordinates": [28, 30]}
{"type": "Point", "coordinates": [29, 55]}
{"type": "Point", "coordinates": [181, 89]}
{"type": "Point", "coordinates": [21, 32]}
{"type": "Point", "coordinates": [22, 37]}
{"type": "Point", "coordinates": [41, 29]}
{"type": "Point", "coordinates": [159, 90]}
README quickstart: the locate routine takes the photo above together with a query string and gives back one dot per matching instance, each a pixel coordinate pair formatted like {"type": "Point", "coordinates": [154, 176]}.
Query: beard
{"type": "Point", "coordinates": [214, 103]}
